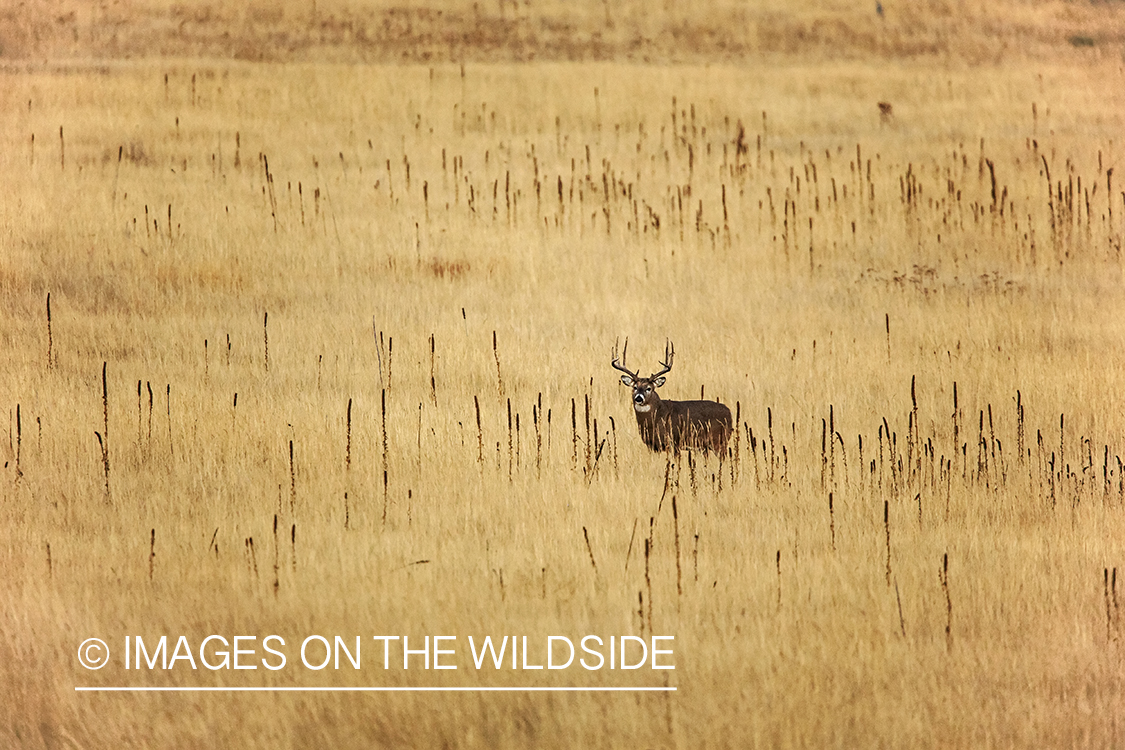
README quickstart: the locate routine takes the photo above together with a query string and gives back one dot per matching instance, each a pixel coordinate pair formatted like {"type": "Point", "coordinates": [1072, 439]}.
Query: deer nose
{"type": "Point", "coordinates": [638, 398]}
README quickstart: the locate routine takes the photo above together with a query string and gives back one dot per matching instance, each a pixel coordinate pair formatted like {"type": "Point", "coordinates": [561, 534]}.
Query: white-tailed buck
{"type": "Point", "coordinates": [674, 425]}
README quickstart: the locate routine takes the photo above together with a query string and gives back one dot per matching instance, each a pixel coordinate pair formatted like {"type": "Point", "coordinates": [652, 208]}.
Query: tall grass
{"type": "Point", "coordinates": [915, 318]}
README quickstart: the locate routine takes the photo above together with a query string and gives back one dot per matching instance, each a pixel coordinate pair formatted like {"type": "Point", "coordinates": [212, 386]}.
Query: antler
{"type": "Point", "coordinates": [621, 366]}
{"type": "Point", "coordinates": [669, 352]}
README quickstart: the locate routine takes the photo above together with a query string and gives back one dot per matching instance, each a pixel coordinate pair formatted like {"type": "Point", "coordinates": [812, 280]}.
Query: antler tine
{"type": "Point", "coordinates": [669, 352]}
{"type": "Point", "coordinates": [621, 366]}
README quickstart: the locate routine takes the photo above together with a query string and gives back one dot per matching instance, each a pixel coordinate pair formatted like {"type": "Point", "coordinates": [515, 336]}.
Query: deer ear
{"type": "Point", "coordinates": [658, 382]}
{"type": "Point", "coordinates": [627, 380]}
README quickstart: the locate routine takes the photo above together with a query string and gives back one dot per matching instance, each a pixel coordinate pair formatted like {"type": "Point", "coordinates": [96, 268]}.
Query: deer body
{"type": "Point", "coordinates": [675, 425]}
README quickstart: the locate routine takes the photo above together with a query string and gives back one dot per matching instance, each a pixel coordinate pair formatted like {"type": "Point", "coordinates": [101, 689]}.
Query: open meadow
{"type": "Point", "coordinates": [317, 346]}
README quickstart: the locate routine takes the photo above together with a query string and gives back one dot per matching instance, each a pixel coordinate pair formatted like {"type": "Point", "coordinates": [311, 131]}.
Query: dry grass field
{"type": "Point", "coordinates": [305, 335]}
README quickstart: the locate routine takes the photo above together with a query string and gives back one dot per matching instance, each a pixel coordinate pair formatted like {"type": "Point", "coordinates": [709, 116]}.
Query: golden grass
{"type": "Point", "coordinates": [709, 31]}
{"type": "Point", "coordinates": [793, 627]}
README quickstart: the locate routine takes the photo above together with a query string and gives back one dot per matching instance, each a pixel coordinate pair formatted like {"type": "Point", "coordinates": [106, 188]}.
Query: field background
{"type": "Point", "coordinates": [333, 292]}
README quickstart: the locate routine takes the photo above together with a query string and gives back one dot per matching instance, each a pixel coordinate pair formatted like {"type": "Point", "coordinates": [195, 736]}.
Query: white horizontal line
{"type": "Point", "coordinates": [372, 689]}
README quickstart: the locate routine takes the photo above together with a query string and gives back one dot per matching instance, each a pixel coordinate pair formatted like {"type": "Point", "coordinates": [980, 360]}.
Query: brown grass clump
{"type": "Point", "coordinates": [451, 269]}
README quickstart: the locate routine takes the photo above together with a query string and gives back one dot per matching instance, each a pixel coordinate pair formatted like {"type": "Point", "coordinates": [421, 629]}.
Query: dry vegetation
{"type": "Point", "coordinates": [708, 31]}
{"type": "Point", "coordinates": [299, 347]}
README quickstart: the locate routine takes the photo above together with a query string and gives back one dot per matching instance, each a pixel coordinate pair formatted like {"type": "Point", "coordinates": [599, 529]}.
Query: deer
{"type": "Point", "coordinates": [667, 425]}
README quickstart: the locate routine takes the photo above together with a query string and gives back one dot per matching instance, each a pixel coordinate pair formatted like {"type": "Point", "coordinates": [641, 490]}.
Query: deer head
{"type": "Point", "coordinates": [644, 389]}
